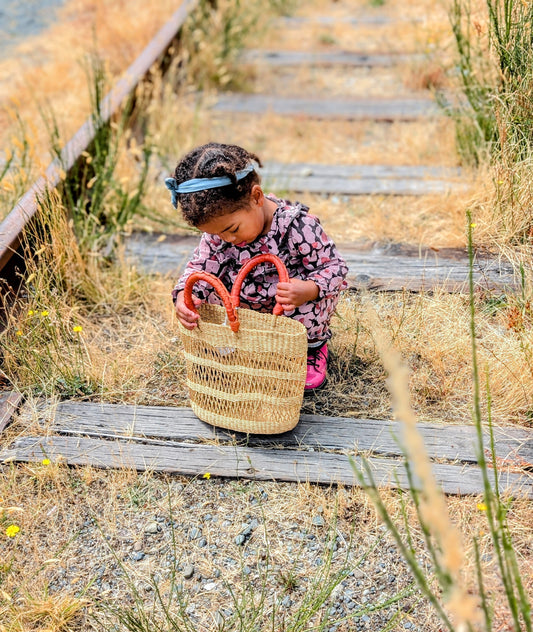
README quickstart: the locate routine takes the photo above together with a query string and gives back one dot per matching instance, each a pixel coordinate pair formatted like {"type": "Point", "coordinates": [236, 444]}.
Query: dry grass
{"type": "Point", "coordinates": [38, 77]}
{"type": "Point", "coordinates": [39, 72]}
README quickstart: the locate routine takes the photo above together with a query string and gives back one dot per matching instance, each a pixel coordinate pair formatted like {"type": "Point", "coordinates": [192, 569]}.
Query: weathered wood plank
{"type": "Point", "coordinates": [369, 109]}
{"type": "Point", "coordinates": [297, 21]}
{"type": "Point", "coordinates": [354, 186]}
{"type": "Point", "coordinates": [360, 179]}
{"type": "Point", "coordinates": [376, 267]}
{"type": "Point", "coordinates": [330, 58]}
{"type": "Point", "coordinates": [9, 403]}
{"type": "Point", "coordinates": [254, 463]}
{"type": "Point", "coordinates": [305, 169]}
{"type": "Point", "coordinates": [514, 446]}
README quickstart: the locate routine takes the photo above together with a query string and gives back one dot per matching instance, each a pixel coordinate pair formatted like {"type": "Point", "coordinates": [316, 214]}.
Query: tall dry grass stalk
{"type": "Point", "coordinates": [449, 554]}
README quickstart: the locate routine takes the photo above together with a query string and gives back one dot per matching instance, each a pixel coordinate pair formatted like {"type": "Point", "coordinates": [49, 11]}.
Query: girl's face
{"type": "Point", "coordinates": [245, 225]}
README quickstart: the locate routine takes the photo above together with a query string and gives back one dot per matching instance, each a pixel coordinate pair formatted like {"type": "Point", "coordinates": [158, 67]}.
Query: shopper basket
{"type": "Point", "coordinates": [245, 369]}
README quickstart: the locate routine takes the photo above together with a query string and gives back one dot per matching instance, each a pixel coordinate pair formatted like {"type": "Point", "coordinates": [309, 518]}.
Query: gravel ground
{"type": "Point", "coordinates": [228, 554]}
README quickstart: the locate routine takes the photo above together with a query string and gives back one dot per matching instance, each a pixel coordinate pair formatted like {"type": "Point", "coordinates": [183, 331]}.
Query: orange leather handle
{"type": "Point", "coordinates": [251, 263]}
{"type": "Point", "coordinates": [221, 291]}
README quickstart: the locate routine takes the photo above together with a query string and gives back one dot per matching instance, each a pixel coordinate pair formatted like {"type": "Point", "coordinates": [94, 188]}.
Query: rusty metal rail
{"type": "Point", "coordinates": [13, 225]}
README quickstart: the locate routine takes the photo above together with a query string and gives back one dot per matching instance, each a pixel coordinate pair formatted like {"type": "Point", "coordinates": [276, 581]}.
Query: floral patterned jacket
{"type": "Point", "coordinates": [295, 236]}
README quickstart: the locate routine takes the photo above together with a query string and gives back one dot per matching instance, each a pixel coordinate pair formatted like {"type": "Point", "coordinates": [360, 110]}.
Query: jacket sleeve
{"type": "Point", "coordinates": [204, 258]}
{"type": "Point", "coordinates": [319, 259]}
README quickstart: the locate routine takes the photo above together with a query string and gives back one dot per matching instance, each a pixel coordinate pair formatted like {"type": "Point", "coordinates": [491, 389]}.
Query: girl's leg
{"type": "Point", "coordinates": [316, 317]}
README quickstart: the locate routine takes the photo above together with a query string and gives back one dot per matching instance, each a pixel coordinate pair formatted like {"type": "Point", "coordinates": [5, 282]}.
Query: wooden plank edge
{"type": "Point", "coordinates": [9, 404]}
{"type": "Point", "coordinates": [234, 462]}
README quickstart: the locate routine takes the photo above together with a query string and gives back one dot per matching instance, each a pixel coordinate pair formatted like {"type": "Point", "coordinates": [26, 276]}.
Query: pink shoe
{"type": "Point", "coordinates": [317, 364]}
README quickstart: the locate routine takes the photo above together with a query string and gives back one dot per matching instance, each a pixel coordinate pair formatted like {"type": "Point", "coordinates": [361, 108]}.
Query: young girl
{"type": "Point", "coordinates": [218, 190]}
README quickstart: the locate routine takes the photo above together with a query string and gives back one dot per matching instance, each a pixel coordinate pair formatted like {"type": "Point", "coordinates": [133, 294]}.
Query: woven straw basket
{"type": "Point", "coordinates": [245, 369]}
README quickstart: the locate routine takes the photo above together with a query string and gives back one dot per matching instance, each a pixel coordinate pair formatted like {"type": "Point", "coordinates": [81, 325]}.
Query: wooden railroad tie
{"type": "Point", "coordinates": [334, 58]}
{"type": "Point", "coordinates": [318, 450]}
{"type": "Point", "coordinates": [364, 19]}
{"type": "Point", "coordinates": [351, 109]}
{"type": "Point", "coordinates": [375, 267]}
{"type": "Point", "coordinates": [360, 179]}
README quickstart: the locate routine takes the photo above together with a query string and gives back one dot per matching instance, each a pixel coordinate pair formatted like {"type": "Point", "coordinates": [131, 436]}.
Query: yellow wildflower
{"type": "Point", "coordinates": [12, 530]}
{"type": "Point", "coordinates": [207, 475]}
{"type": "Point", "coordinates": [19, 332]}
{"type": "Point", "coordinates": [45, 461]}
{"type": "Point", "coordinates": [44, 313]}
{"type": "Point", "coordinates": [482, 507]}
{"type": "Point", "coordinates": [77, 328]}
{"type": "Point", "coordinates": [473, 225]}
{"type": "Point", "coordinates": [31, 312]}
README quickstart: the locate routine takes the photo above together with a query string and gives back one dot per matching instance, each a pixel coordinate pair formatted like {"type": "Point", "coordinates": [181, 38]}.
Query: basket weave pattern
{"type": "Point", "coordinates": [250, 380]}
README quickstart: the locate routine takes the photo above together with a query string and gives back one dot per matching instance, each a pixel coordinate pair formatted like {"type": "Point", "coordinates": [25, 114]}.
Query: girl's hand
{"type": "Point", "coordinates": [187, 317]}
{"type": "Point", "coordinates": [295, 293]}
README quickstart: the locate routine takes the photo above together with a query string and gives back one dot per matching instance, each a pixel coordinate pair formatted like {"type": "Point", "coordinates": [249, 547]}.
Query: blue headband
{"type": "Point", "coordinates": [202, 184]}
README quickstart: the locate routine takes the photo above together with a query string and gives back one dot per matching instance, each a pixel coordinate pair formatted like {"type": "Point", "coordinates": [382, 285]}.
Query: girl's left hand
{"type": "Point", "coordinates": [295, 293]}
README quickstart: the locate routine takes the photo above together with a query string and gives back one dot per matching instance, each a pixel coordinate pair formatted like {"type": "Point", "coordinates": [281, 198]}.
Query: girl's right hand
{"type": "Point", "coordinates": [187, 317]}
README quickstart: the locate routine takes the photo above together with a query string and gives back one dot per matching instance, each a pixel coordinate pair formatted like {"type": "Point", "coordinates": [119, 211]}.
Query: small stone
{"type": "Point", "coordinates": [202, 542]}
{"type": "Point", "coordinates": [138, 546]}
{"type": "Point", "coordinates": [137, 556]}
{"type": "Point", "coordinates": [188, 571]}
{"type": "Point", "coordinates": [240, 539]}
{"type": "Point", "coordinates": [194, 533]}
{"type": "Point", "coordinates": [216, 573]}
{"type": "Point", "coordinates": [407, 625]}
{"type": "Point", "coordinates": [318, 521]}
{"type": "Point", "coordinates": [247, 530]}
{"type": "Point", "coordinates": [152, 527]}
{"type": "Point", "coordinates": [286, 603]}
{"type": "Point", "coordinates": [210, 586]}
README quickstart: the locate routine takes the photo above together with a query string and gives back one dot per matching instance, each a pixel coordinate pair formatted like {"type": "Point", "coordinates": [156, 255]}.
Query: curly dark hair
{"type": "Point", "coordinates": [209, 161]}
